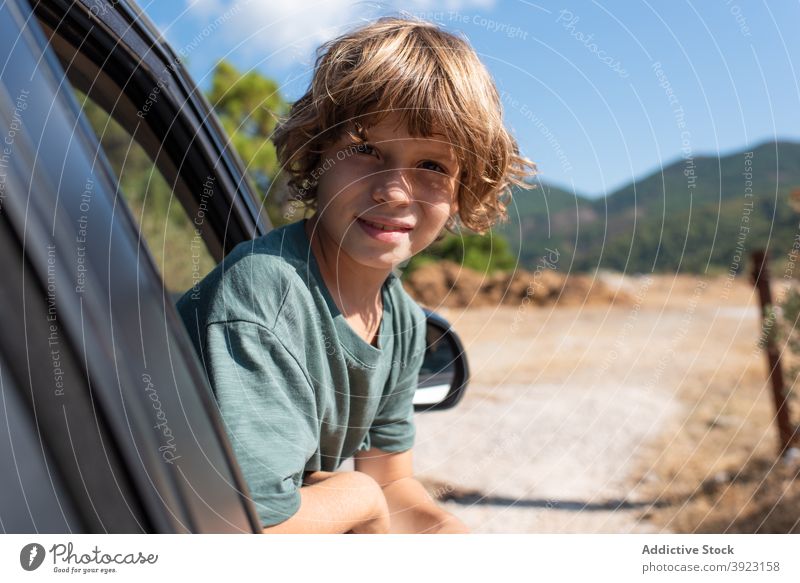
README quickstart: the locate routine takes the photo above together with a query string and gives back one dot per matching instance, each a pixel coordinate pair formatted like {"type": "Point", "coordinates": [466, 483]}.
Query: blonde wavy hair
{"type": "Point", "coordinates": [435, 82]}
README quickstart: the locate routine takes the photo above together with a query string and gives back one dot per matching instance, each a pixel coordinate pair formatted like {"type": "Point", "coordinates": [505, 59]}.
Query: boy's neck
{"type": "Point", "coordinates": [355, 289]}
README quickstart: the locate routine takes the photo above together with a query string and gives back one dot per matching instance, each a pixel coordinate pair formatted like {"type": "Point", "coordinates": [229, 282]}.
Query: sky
{"type": "Point", "coordinates": [596, 93]}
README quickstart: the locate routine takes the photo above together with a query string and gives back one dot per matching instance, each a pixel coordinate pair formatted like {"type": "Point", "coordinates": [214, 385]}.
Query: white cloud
{"type": "Point", "coordinates": [290, 30]}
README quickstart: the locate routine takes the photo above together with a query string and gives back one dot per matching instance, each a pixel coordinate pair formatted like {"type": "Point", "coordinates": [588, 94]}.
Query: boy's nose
{"type": "Point", "coordinates": [392, 187]}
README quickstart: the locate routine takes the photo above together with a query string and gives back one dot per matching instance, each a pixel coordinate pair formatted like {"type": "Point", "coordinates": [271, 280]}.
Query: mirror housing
{"type": "Point", "coordinates": [444, 375]}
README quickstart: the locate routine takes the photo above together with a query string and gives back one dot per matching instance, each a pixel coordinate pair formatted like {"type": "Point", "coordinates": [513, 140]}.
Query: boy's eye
{"type": "Point", "coordinates": [363, 148]}
{"type": "Point", "coordinates": [435, 166]}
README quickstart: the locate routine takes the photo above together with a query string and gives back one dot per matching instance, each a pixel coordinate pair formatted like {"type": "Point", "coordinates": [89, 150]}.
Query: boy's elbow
{"type": "Point", "coordinates": [336, 503]}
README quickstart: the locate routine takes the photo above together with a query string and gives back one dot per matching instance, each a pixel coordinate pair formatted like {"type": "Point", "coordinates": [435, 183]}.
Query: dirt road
{"type": "Point", "coordinates": [557, 428]}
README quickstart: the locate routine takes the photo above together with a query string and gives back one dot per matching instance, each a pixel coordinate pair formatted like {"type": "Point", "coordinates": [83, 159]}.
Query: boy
{"type": "Point", "coordinates": [310, 343]}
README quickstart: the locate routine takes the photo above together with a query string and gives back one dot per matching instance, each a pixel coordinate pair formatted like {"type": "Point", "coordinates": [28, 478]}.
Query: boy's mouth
{"type": "Point", "coordinates": [396, 227]}
{"type": "Point", "coordinates": [384, 232]}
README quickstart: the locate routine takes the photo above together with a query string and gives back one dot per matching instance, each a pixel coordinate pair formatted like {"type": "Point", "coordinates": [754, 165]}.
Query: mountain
{"type": "Point", "coordinates": [698, 214]}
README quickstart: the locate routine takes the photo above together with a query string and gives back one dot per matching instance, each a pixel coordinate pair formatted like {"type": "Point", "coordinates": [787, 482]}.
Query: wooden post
{"type": "Point", "coordinates": [760, 278]}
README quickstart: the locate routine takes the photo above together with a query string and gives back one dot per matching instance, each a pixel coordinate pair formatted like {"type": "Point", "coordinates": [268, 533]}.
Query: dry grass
{"type": "Point", "coordinates": [717, 470]}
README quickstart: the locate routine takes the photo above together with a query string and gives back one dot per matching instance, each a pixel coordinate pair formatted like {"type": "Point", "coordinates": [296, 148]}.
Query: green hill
{"type": "Point", "coordinates": [694, 215]}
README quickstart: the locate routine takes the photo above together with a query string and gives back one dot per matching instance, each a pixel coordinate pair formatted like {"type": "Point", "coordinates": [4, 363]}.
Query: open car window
{"type": "Point", "coordinates": [171, 235]}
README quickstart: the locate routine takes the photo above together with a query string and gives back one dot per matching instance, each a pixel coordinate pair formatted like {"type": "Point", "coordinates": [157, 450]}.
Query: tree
{"type": "Point", "coordinates": [249, 106]}
{"type": "Point", "coordinates": [483, 253]}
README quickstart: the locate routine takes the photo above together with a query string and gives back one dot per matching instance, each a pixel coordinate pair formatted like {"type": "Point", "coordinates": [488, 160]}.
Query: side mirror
{"type": "Point", "coordinates": [444, 375]}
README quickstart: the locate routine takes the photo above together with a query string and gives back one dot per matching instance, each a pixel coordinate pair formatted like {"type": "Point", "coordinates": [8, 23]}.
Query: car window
{"type": "Point", "coordinates": [176, 246]}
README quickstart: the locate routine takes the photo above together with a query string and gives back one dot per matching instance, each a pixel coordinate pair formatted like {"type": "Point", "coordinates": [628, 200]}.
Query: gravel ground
{"type": "Point", "coordinates": [557, 427]}
{"type": "Point", "coordinates": [541, 458]}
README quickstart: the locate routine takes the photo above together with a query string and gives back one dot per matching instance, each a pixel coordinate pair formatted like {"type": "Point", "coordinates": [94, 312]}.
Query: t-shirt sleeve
{"type": "Point", "coordinates": [268, 407]}
{"type": "Point", "coordinates": [393, 428]}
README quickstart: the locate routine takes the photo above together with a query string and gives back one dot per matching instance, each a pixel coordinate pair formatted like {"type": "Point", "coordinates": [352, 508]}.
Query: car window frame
{"type": "Point", "coordinates": [130, 63]}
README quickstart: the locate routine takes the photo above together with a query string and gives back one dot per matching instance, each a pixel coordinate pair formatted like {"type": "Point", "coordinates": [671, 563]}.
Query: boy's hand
{"type": "Point", "coordinates": [381, 523]}
{"type": "Point", "coordinates": [451, 525]}
{"type": "Point", "coordinates": [412, 508]}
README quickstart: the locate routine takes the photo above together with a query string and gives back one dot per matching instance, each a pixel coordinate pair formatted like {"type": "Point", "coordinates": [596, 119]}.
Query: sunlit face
{"type": "Point", "coordinates": [388, 199]}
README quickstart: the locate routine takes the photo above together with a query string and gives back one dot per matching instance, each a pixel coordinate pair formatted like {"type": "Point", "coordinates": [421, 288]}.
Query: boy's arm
{"type": "Point", "coordinates": [411, 508]}
{"type": "Point", "coordinates": [269, 409]}
{"type": "Point", "coordinates": [335, 503]}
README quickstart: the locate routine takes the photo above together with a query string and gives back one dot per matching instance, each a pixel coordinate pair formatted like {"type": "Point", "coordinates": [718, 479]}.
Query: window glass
{"type": "Point", "coordinates": [176, 246]}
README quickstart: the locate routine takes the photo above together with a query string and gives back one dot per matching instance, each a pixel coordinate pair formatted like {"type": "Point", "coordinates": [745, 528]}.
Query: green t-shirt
{"type": "Point", "coordinates": [297, 388]}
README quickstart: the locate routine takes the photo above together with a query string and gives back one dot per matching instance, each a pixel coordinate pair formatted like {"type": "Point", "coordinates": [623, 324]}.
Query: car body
{"type": "Point", "coordinates": [110, 424]}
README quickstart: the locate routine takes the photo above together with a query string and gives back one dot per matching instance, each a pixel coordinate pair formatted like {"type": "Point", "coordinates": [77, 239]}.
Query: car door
{"type": "Point", "coordinates": [102, 381]}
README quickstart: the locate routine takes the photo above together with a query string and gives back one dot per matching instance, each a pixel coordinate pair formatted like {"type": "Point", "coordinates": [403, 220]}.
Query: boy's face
{"type": "Point", "coordinates": [388, 199]}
